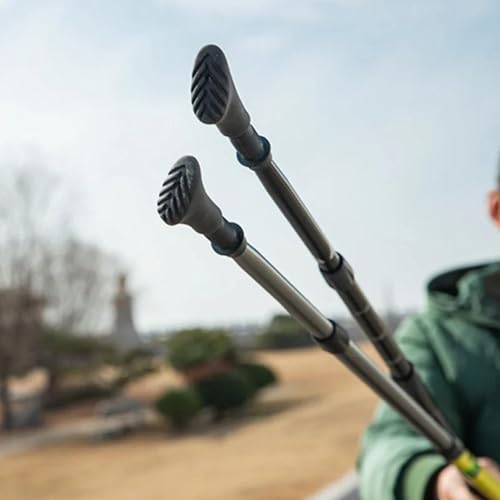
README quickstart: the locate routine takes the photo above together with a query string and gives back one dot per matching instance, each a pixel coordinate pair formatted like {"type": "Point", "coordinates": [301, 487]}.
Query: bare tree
{"type": "Point", "coordinates": [25, 208]}
{"type": "Point", "coordinates": [20, 321]}
{"type": "Point", "coordinates": [43, 266]}
{"type": "Point", "coordinates": [29, 219]}
{"type": "Point", "coordinates": [77, 280]}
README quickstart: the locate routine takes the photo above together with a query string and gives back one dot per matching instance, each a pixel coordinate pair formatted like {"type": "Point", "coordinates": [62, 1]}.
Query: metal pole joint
{"type": "Point", "coordinates": [336, 343]}
{"type": "Point", "coordinates": [255, 164]}
{"type": "Point", "coordinates": [340, 277]}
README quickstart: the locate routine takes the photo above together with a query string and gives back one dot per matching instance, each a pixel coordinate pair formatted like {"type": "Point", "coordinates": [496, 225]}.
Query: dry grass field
{"type": "Point", "coordinates": [294, 440]}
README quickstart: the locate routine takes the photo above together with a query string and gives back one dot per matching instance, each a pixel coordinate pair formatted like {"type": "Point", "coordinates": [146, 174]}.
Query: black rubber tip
{"type": "Point", "coordinates": [183, 200]}
{"type": "Point", "coordinates": [175, 196]}
{"type": "Point", "coordinates": [213, 93]}
{"type": "Point", "coordinates": [210, 85]}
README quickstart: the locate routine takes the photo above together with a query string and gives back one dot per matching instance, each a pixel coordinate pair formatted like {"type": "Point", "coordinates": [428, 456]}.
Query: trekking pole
{"type": "Point", "coordinates": [183, 200]}
{"type": "Point", "coordinates": [216, 101]}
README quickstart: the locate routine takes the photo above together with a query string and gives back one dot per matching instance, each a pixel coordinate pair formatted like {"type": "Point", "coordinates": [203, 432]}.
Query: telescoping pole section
{"type": "Point", "coordinates": [184, 200]}
{"type": "Point", "coordinates": [215, 101]}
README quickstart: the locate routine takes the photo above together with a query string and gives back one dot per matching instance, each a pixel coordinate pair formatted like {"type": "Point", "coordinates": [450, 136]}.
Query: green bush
{"type": "Point", "coordinates": [283, 332]}
{"type": "Point", "coordinates": [191, 348]}
{"type": "Point", "coordinates": [259, 375]}
{"type": "Point", "coordinates": [132, 365]}
{"type": "Point", "coordinates": [179, 406]}
{"type": "Point", "coordinates": [225, 391]}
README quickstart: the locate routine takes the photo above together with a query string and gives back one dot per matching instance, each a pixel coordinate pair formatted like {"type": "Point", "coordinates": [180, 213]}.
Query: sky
{"type": "Point", "coordinates": [384, 115]}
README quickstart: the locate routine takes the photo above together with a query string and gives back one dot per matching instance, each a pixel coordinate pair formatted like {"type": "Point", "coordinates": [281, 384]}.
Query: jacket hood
{"type": "Point", "coordinates": [471, 293]}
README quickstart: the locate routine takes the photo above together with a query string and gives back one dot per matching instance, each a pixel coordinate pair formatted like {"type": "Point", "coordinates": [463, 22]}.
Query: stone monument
{"type": "Point", "coordinates": [124, 335]}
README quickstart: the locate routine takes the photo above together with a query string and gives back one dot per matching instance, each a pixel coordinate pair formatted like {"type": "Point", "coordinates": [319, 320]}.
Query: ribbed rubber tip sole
{"type": "Point", "coordinates": [175, 196]}
{"type": "Point", "coordinates": [210, 85]}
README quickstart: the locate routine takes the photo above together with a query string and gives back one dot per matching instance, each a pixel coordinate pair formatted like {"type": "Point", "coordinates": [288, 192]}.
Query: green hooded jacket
{"type": "Point", "coordinates": [455, 346]}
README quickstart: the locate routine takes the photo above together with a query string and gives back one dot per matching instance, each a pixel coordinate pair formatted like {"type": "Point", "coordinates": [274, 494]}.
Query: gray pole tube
{"type": "Point", "coordinates": [183, 199]}
{"type": "Point", "coordinates": [216, 101]}
{"type": "Point", "coordinates": [324, 332]}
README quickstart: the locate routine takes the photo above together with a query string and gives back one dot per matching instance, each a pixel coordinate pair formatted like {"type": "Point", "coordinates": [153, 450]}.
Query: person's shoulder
{"type": "Point", "coordinates": [420, 330]}
{"type": "Point", "coordinates": [415, 324]}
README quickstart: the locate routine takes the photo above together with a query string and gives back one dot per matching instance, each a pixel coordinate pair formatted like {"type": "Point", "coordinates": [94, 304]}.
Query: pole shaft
{"type": "Point", "coordinates": [267, 276]}
{"type": "Point", "coordinates": [215, 100]}
{"type": "Point", "coordinates": [292, 207]}
{"type": "Point", "coordinates": [321, 329]}
{"type": "Point", "coordinates": [340, 277]}
{"type": "Point", "coordinates": [398, 399]}
{"type": "Point", "coordinates": [370, 322]}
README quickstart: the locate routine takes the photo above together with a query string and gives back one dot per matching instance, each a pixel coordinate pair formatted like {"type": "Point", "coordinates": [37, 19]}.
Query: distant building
{"type": "Point", "coordinates": [124, 335]}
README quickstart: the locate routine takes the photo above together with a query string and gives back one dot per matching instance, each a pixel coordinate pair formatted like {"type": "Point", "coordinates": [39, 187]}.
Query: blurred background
{"type": "Point", "coordinates": [135, 362]}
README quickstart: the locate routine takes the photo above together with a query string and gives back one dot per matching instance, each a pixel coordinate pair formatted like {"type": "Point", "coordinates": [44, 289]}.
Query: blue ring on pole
{"type": "Point", "coordinates": [234, 250]}
{"type": "Point", "coordinates": [255, 163]}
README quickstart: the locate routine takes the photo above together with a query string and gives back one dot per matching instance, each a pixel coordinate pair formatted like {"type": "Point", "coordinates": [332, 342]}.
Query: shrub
{"type": "Point", "coordinates": [259, 375]}
{"type": "Point", "coordinates": [132, 365]}
{"type": "Point", "coordinates": [283, 332]}
{"type": "Point", "coordinates": [179, 406]}
{"type": "Point", "coordinates": [190, 348]}
{"type": "Point", "coordinates": [225, 391]}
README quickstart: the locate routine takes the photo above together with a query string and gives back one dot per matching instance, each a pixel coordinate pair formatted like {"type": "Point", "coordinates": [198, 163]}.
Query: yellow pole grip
{"type": "Point", "coordinates": [477, 476]}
